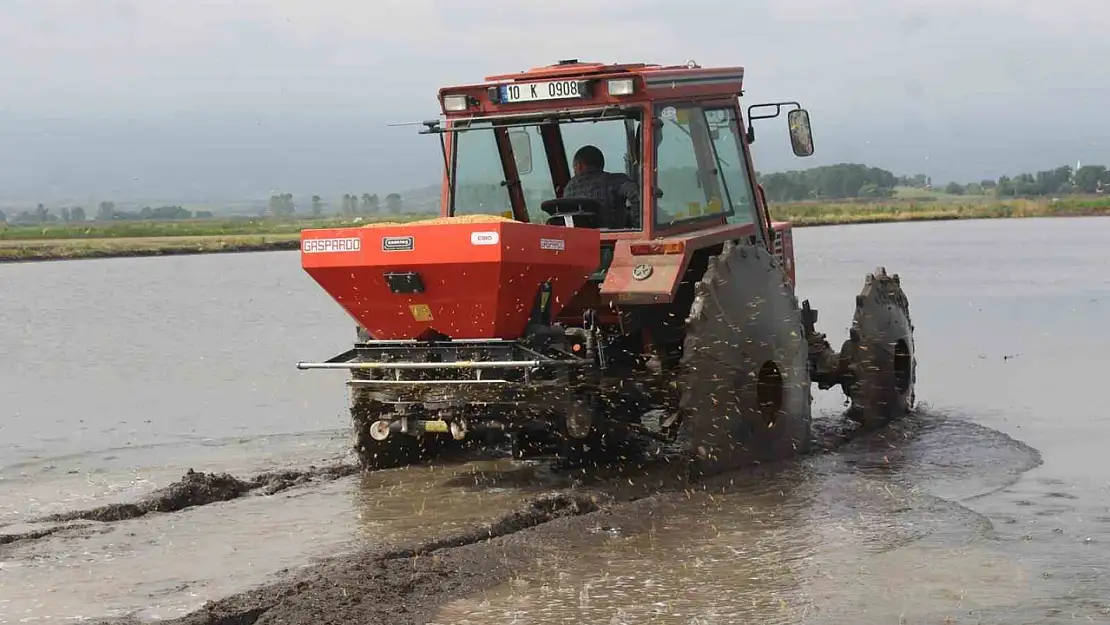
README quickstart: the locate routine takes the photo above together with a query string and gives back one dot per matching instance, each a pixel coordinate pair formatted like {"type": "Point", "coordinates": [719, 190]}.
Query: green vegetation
{"type": "Point", "coordinates": [122, 229]}
{"type": "Point", "coordinates": [833, 213]}
{"type": "Point", "coordinates": [849, 181]}
{"type": "Point", "coordinates": [104, 247]}
{"type": "Point", "coordinates": [234, 226]}
{"type": "Point", "coordinates": [71, 241]}
{"type": "Point", "coordinates": [58, 241]}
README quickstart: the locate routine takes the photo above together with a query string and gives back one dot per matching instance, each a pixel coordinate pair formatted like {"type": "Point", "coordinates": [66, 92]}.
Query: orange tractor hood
{"type": "Point", "coordinates": [462, 279]}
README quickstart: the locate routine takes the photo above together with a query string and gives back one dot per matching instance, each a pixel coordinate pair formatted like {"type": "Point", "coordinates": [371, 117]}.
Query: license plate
{"type": "Point", "coordinates": [435, 426]}
{"type": "Point", "coordinates": [539, 91]}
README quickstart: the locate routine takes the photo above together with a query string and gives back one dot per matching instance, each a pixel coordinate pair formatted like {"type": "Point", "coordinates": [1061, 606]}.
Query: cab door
{"type": "Point", "coordinates": [759, 199]}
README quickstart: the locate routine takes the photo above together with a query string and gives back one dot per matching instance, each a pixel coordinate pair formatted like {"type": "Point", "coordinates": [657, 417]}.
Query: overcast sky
{"type": "Point", "coordinates": [237, 96]}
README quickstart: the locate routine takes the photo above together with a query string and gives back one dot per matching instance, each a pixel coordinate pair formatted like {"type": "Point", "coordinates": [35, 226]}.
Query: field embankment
{"type": "Point", "coordinates": [896, 210]}
{"type": "Point", "coordinates": [65, 241]}
{"type": "Point", "coordinates": [104, 240]}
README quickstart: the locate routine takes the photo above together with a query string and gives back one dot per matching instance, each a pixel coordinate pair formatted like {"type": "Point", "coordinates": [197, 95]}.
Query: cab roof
{"type": "Point", "coordinates": [628, 84]}
{"type": "Point", "coordinates": [573, 67]}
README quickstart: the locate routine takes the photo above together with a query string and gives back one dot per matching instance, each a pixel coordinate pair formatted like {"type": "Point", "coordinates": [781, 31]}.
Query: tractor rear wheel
{"type": "Point", "coordinates": [744, 374]}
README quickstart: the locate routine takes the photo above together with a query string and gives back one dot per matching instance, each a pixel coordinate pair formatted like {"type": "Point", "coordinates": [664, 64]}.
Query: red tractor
{"type": "Point", "coordinates": [570, 322]}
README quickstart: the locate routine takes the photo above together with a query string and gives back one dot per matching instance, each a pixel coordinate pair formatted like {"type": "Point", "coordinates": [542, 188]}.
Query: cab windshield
{"type": "Point", "coordinates": [479, 184]}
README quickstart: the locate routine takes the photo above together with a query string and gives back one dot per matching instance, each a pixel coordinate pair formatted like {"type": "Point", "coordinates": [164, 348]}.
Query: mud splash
{"type": "Point", "coordinates": [198, 489]}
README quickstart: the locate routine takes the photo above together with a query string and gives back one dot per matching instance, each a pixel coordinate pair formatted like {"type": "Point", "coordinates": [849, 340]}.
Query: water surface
{"type": "Point", "coordinates": [121, 374]}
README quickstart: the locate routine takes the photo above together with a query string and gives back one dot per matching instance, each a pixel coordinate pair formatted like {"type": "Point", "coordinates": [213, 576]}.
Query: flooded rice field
{"type": "Point", "coordinates": [120, 376]}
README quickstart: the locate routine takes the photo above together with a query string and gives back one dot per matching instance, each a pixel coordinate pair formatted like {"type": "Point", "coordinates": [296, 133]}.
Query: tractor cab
{"type": "Point", "coordinates": [674, 148]}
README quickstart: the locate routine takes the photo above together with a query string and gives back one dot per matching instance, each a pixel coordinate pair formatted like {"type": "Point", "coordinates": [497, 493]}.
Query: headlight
{"type": "Point", "coordinates": [621, 86]}
{"type": "Point", "coordinates": [454, 103]}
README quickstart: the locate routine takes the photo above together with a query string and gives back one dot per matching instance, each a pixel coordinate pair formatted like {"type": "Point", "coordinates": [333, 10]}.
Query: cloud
{"type": "Point", "coordinates": [250, 94]}
{"type": "Point", "coordinates": [918, 62]}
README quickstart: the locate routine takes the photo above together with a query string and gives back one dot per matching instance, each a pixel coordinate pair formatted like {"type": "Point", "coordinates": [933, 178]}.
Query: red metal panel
{"type": "Point", "coordinates": [480, 279]}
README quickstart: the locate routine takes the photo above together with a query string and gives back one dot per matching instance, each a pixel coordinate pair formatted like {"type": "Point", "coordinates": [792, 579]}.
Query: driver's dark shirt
{"type": "Point", "coordinates": [613, 190]}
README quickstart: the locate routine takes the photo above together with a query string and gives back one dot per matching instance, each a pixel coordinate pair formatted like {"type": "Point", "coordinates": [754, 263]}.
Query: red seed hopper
{"type": "Point", "coordinates": [458, 280]}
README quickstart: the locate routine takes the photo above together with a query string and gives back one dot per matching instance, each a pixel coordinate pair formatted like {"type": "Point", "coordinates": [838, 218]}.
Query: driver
{"type": "Point", "coordinates": [615, 191]}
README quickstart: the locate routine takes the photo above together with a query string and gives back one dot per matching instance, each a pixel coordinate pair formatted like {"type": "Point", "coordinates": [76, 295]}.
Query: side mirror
{"type": "Point", "coordinates": [521, 143]}
{"type": "Point", "coordinates": [801, 136]}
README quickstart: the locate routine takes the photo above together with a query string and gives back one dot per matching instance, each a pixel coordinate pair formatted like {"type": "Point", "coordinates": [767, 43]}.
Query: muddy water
{"type": "Point", "coordinates": [146, 368]}
{"type": "Point", "coordinates": [833, 539]}
{"type": "Point", "coordinates": [165, 565]}
{"type": "Point", "coordinates": [995, 510]}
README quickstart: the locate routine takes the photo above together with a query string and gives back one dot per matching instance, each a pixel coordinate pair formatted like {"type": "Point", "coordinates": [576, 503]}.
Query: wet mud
{"type": "Point", "coordinates": [410, 583]}
{"type": "Point", "coordinates": [197, 489]}
{"type": "Point", "coordinates": [193, 489]}
{"type": "Point", "coordinates": [7, 539]}
{"type": "Point", "coordinates": [405, 584]}
{"type": "Point", "coordinates": [394, 581]}
{"type": "Point", "coordinates": [579, 492]}
{"type": "Point", "coordinates": [463, 569]}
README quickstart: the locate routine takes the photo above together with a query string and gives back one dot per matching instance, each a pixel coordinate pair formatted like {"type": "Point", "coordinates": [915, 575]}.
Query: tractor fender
{"type": "Point", "coordinates": [645, 279]}
{"type": "Point", "coordinates": [655, 278]}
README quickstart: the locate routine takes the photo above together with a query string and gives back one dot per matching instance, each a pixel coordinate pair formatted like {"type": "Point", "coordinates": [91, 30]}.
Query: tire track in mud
{"type": "Point", "coordinates": [411, 582]}
{"type": "Point", "coordinates": [7, 539]}
{"type": "Point", "coordinates": [198, 488]}
{"type": "Point", "coordinates": [192, 490]}
{"type": "Point", "coordinates": [403, 584]}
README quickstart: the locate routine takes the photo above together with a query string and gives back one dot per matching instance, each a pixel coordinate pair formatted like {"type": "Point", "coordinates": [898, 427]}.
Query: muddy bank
{"type": "Point", "coordinates": [198, 489]}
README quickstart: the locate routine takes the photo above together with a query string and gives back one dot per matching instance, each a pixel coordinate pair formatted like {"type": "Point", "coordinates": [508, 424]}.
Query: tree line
{"type": "Point", "coordinates": [352, 204]}
{"type": "Point", "coordinates": [280, 205]}
{"type": "Point", "coordinates": [106, 211]}
{"type": "Point", "coordinates": [853, 181]}
{"type": "Point", "coordinates": [1063, 180]}
{"type": "Point", "coordinates": [843, 181]}
{"type": "Point", "coordinates": [829, 182]}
